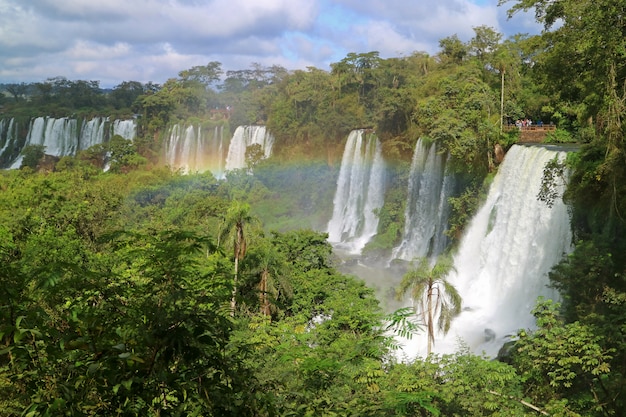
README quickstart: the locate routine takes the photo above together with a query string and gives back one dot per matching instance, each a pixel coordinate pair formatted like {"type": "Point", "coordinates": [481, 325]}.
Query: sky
{"type": "Point", "coordinates": [112, 41]}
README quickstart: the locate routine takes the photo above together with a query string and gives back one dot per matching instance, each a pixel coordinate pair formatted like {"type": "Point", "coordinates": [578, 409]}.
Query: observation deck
{"type": "Point", "coordinates": [533, 134]}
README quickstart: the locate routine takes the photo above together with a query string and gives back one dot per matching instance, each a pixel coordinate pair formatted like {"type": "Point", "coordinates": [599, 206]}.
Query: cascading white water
{"type": "Point", "coordinates": [427, 209]}
{"type": "Point", "coordinates": [125, 128]}
{"type": "Point", "coordinates": [243, 137]}
{"type": "Point", "coordinates": [189, 149]}
{"type": "Point", "coordinates": [177, 147]}
{"type": "Point", "coordinates": [58, 136]}
{"type": "Point", "coordinates": [360, 192]}
{"type": "Point", "coordinates": [218, 150]}
{"type": "Point", "coordinates": [8, 134]}
{"type": "Point", "coordinates": [504, 257]}
{"type": "Point", "coordinates": [92, 133]}
{"type": "Point", "coordinates": [62, 136]}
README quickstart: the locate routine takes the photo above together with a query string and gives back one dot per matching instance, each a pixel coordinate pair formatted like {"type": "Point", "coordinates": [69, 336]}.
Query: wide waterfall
{"type": "Point", "coordinates": [190, 149]}
{"type": "Point", "coordinates": [243, 137]}
{"type": "Point", "coordinates": [503, 261]}
{"type": "Point", "coordinates": [427, 209]}
{"type": "Point", "coordinates": [360, 192]}
{"type": "Point", "coordinates": [59, 136]}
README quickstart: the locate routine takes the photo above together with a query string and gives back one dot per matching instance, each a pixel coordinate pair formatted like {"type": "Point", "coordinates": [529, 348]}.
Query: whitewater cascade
{"type": "Point", "coordinates": [125, 128]}
{"type": "Point", "coordinates": [190, 149]}
{"type": "Point", "coordinates": [8, 136]}
{"type": "Point", "coordinates": [360, 192]}
{"type": "Point", "coordinates": [60, 136]}
{"type": "Point", "coordinates": [243, 137]}
{"type": "Point", "coordinates": [427, 209]}
{"type": "Point", "coordinates": [504, 258]}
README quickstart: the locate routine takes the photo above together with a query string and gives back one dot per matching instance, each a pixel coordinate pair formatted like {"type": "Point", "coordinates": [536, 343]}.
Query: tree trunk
{"type": "Point", "coordinates": [265, 304]}
{"type": "Point", "coordinates": [501, 99]}
{"type": "Point", "coordinates": [233, 302]}
{"type": "Point", "coordinates": [430, 325]}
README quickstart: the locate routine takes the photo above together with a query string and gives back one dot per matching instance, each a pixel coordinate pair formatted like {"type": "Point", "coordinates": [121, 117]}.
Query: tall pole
{"type": "Point", "coordinates": [501, 97]}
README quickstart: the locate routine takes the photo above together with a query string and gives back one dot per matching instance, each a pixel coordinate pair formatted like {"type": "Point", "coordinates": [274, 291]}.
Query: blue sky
{"type": "Point", "coordinates": [152, 40]}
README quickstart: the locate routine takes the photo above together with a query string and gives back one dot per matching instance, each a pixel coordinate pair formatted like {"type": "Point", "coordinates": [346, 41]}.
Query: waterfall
{"type": "Point", "coordinates": [360, 192]}
{"type": "Point", "coordinates": [59, 137]}
{"type": "Point", "coordinates": [177, 147]}
{"type": "Point", "coordinates": [243, 137]}
{"type": "Point", "coordinates": [427, 209]}
{"type": "Point", "coordinates": [63, 137]}
{"type": "Point", "coordinates": [8, 136]}
{"type": "Point", "coordinates": [92, 133]}
{"type": "Point", "coordinates": [189, 149]}
{"type": "Point", "coordinates": [505, 255]}
{"type": "Point", "coordinates": [125, 128]}
{"type": "Point", "coordinates": [219, 152]}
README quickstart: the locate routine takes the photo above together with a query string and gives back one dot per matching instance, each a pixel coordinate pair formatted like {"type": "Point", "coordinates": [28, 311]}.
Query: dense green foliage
{"type": "Point", "coordinates": [116, 300]}
{"type": "Point", "coordinates": [139, 291]}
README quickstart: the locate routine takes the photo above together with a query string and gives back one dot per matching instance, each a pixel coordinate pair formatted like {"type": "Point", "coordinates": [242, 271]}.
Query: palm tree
{"type": "Point", "coordinates": [434, 296]}
{"type": "Point", "coordinates": [237, 217]}
{"type": "Point", "coordinates": [272, 284]}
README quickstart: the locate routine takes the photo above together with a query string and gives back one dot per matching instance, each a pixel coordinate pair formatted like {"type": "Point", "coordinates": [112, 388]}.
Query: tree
{"type": "Point", "coordinates": [484, 43]}
{"type": "Point", "coordinates": [123, 155]}
{"type": "Point", "coordinates": [124, 95]}
{"type": "Point", "coordinates": [271, 272]}
{"type": "Point", "coordinates": [254, 155]}
{"type": "Point", "coordinates": [233, 230]}
{"type": "Point", "coordinates": [205, 75]}
{"type": "Point", "coordinates": [17, 90]}
{"type": "Point", "coordinates": [435, 297]}
{"type": "Point", "coordinates": [452, 50]}
{"type": "Point", "coordinates": [156, 109]}
{"type": "Point", "coordinates": [583, 50]}
{"type": "Point", "coordinates": [32, 155]}
{"type": "Point", "coordinates": [565, 366]}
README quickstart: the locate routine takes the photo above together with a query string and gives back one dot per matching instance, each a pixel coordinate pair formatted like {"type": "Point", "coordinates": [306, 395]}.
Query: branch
{"type": "Point", "coordinates": [527, 404]}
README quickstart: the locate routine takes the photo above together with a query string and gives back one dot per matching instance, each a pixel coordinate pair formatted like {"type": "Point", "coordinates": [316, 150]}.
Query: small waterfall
{"type": "Point", "coordinates": [60, 137]}
{"type": "Point", "coordinates": [8, 136]}
{"type": "Point", "coordinates": [243, 137]}
{"type": "Point", "coordinates": [125, 128]}
{"type": "Point", "coordinates": [505, 255]}
{"type": "Point", "coordinates": [189, 149]}
{"type": "Point", "coordinates": [92, 133]}
{"type": "Point", "coordinates": [218, 151]}
{"type": "Point", "coordinates": [360, 192]}
{"type": "Point", "coordinates": [177, 147]}
{"type": "Point", "coordinates": [427, 209]}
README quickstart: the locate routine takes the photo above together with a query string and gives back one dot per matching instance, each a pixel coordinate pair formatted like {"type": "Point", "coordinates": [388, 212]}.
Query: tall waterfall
{"type": "Point", "coordinates": [243, 137]}
{"type": "Point", "coordinates": [60, 136]}
{"type": "Point", "coordinates": [191, 149]}
{"type": "Point", "coordinates": [427, 209]}
{"type": "Point", "coordinates": [504, 258]}
{"type": "Point", "coordinates": [360, 191]}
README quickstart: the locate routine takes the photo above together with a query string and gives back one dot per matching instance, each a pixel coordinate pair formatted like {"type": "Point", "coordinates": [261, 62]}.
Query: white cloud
{"type": "Point", "coordinates": [383, 37]}
{"type": "Point", "coordinates": [85, 50]}
{"type": "Point", "coordinates": [118, 40]}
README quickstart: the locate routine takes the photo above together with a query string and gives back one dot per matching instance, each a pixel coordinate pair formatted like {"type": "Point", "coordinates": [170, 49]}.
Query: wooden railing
{"type": "Point", "coordinates": [538, 128]}
{"type": "Point", "coordinates": [220, 113]}
{"type": "Point", "coordinates": [532, 133]}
